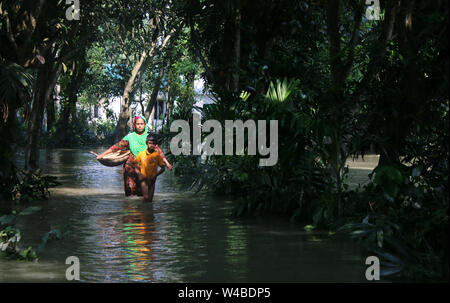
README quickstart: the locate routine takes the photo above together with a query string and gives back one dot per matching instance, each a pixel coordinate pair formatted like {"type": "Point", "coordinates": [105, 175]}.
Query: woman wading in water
{"type": "Point", "coordinates": [135, 142]}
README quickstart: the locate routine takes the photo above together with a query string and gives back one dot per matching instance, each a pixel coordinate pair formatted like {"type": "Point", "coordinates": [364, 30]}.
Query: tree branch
{"type": "Point", "coordinates": [32, 23]}
{"type": "Point", "coordinates": [388, 34]}
{"type": "Point", "coordinates": [334, 39]}
{"type": "Point", "coordinates": [9, 33]}
{"type": "Point", "coordinates": [198, 52]}
{"type": "Point", "coordinates": [359, 11]}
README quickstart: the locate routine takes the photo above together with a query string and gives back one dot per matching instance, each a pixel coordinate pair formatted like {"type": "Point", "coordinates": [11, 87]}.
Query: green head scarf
{"type": "Point", "coordinates": [136, 141]}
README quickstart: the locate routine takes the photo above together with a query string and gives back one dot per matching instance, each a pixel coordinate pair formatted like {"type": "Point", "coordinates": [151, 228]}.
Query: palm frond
{"type": "Point", "coordinates": [281, 90]}
{"type": "Point", "coordinates": [15, 86]}
{"type": "Point", "coordinates": [244, 95]}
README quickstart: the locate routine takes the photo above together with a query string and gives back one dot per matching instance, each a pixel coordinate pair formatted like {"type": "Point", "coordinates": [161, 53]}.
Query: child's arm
{"type": "Point", "coordinates": [163, 158]}
{"type": "Point", "coordinates": [167, 164]}
{"type": "Point", "coordinates": [162, 168]}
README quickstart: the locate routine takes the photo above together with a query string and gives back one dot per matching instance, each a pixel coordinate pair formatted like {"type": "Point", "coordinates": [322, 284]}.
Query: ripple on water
{"type": "Point", "coordinates": [178, 238]}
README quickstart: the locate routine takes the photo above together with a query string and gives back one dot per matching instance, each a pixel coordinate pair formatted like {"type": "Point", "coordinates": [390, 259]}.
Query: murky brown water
{"type": "Point", "coordinates": [179, 237]}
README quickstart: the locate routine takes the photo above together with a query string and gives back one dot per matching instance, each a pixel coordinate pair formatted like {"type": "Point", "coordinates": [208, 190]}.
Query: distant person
{"type": "Point", "coordinates": [147, 163]}
{"type": "Point", "coordinates": [136, 143]}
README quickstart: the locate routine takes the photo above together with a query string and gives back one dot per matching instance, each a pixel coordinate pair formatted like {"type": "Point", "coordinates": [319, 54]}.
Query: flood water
{"type": "Point", "coordinates": [180, 237]}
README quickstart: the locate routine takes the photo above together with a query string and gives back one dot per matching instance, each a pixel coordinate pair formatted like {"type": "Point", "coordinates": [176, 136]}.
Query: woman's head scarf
{"type": "Point", "coordinates": [140, 117]}
{"type": "Point", "coordinates": [137, 141]}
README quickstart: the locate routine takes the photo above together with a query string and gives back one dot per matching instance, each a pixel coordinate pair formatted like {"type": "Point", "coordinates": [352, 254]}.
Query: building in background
{"type": "Point", "coordinates": [98, 112]}
{"type": "Point", "coordinates": [159, 112]}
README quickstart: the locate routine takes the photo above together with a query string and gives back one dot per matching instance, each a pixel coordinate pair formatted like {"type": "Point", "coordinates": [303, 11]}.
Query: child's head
{"type": "Point", "coordinates": [151, 141]}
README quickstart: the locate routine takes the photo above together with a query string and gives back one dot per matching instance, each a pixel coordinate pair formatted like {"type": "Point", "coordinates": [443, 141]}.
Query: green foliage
{"type": "Point", "coordinates": [103, 78]}
{"type": "Point", "coordinates": [15, 85]}
{"type": "Point", "coordinates": [360, 87]}
{"type": "Point", "coordinates": [27, 186]}
{"type": "Point", "coordinates": [388, 178]}
{"type": "Point", "coordinates": [23, 187]}
{"type": "Point", "coordinates": [287, 188]}
{"type": "Point", "coordinates": [10, 248]}
{"type": "Point", "coordinates": [408, 215]}
{"type": "Point", "coordinates": [9, 237]}
{"type": "Point", "coordinates": [9, 245]}
{"type": "Point", "coordinates": [281, 91]}
{"type": "Point", "coordinates": [15, 92]}
{"type": "Point", "coordinates": [80, 133]}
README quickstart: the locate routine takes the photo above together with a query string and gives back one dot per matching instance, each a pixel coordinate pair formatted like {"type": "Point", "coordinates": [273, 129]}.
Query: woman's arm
{"type": "Point", "coordinates": [123, 144]}
{"type": "Point", "coordinates": [108, 151]}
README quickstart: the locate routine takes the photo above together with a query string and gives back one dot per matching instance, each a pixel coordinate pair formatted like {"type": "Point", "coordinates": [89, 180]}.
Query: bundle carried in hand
{"type": "Point", "coordinates": [115, 158]}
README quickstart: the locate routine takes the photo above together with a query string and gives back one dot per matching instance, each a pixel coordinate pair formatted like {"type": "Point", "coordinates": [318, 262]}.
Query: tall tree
{"type": "Point", "coordinates": [143, 34]}
{"type": "Point", "coordinates": [154, 95]}
{"type": "Point", "coordinates": [41, 37]}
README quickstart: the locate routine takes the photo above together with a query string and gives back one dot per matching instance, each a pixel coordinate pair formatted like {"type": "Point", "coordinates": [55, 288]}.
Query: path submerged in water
{"type": "Point", "coordinates": [180, 237]}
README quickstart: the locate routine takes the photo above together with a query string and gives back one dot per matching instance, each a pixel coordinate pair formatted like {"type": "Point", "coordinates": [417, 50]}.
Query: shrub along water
{"type": "Point", "coordinates": [401, 215]}
{"type": "Point", "coordinates": [21, 188]}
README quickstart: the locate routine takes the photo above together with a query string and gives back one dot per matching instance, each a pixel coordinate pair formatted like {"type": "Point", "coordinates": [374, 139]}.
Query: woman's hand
{"type": "Point", "coordinates": [98, 157]}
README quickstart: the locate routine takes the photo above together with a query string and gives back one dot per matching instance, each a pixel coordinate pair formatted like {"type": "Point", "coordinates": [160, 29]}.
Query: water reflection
{"type": "Point", "coordinates": [139, 230]}
{"type": "Point", "coordinates": [177, 238]}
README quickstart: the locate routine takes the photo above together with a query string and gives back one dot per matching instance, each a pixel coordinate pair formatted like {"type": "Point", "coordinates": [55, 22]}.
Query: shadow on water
{"type": "Point", "coordinates": [177, 238]}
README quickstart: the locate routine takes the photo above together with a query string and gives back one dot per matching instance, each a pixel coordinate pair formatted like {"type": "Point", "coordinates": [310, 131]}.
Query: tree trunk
{"type": "Point", "coordinates": [169, 99]}
{"type": "Point", "coordinates": [167, 112]}
{"type": "Point", "coordinates": [141, 100]}
{"type": "Point", "coordinates": [340, 69]}
{"type": "Point", "coordinates": [198, 52]}
{"type": "Point", "coordinates": [70, 105]}
{"type": "Point", "coordinates": [50, 110]}
{"type": "Point", "coordinates": [8, 139]}
{"type": "Point", "coordinates": [124, 123]}
{"type": "Point", "coordinates": [45, 83]}
{"type": "Point", "coordinates": [154, 95]}
{"type": "Point", "coordinates": [264, 54]}
{"type": "Point", "coordinates": [136, 75]}
{"type": "Point", "coordinates": [412, 86]}
{"type": "Point", "coordinates": [377, 56]}
{"type": "Point", "coordinates": [236, 52]}
{"type": "Point", "coordinates": [152, 116]}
